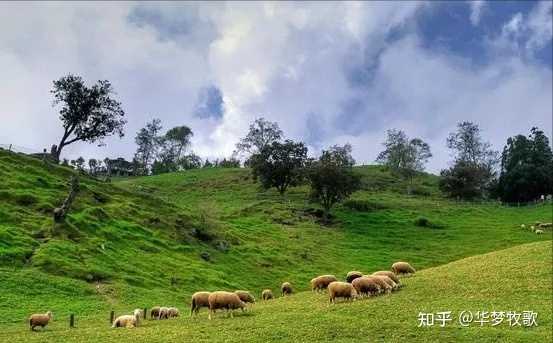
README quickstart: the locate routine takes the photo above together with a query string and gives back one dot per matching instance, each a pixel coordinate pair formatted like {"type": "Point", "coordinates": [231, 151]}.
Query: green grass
{"type": "Point", "coordinates": [141, 239]}
{"type": "Point", "coordinates": [516, 279]}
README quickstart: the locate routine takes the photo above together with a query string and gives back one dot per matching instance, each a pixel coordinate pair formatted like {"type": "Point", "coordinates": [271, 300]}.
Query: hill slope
{"type": "Point", "coordinates": [139, 242]}
{"type": "Point", "coordinates": [516, 279]}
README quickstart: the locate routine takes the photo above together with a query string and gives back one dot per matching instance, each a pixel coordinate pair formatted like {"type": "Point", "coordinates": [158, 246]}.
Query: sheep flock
{"type": "Point", "coordinates": [355, 285]}
{"type": "Point", "coordinates": [538, 227]}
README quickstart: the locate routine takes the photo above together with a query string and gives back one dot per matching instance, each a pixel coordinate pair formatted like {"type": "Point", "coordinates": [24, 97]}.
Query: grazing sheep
{"type": "Point", "coordinates": [353, 275]}
{"type": "Point", "coordinates": [389, 274]}
{"type": "Point", "coordinates": [267, 294]}
{"type": "Point", "coordinates": [286, 288]}
{"type": "Point", "coordinates": [321, 282]}
{"type": "Point", "coordinates": [546, 225]}
{"type": "Point", "coordinates": [391, 285]}
{"type": "Point", "coordinates": [522, 226]}
{"type": "Point", "coordinates": [138, 312]}
{"type": "Point", "coordinates": [40, 319]}
{"type": "Point", "coordinates": [384, 286]}
{"type": "Point", "coordinates": [245, 296]}
{"type": "Point", "coordinates": [173, 312]}
{"type": "Point", "coordinates": [532, 228]}
{"type": "Point", "coordinates": [126, 321]}
{"type": "Point", "coordinates": [224, 300]}
{"type": "Point", "coordinates": [339, 289]}
{"type": "Point", "coordinates": [199, 300]}
{"type": "Point", "coordinates": [365, 286]}
{"type": "Point", "coordinates": [154, 312]}
{"type": "Point", "coordinates": [539, 232]}
{"type": "Point", "coordinates": [402, 268]}
{"type": "Point", "coordinates": [163, 313]}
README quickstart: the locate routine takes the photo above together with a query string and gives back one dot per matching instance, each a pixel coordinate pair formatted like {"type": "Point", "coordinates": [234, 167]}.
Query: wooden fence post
{"type": "Point", "coordinates": [111, 317]}
{"type": "Point", "coordinates": [145, 312]}
{"type": "Point", "coordinates": [71, 320]}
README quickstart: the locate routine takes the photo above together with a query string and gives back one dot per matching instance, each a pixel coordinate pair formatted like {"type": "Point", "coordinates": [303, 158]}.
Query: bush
{"type": "Point", "coordinates": [25, 199]}
{"type": "Point", "coordinates": [363, 205]}
{"type": "Point", "coordinates": [425, 222]}
{"type": "Point", "coordinates": [421, 191]}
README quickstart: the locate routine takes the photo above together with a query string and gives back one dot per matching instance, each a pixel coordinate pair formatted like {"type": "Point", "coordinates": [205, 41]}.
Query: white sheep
{"type": "Point", "coordinates": [539, 232]}
{"type": "Point", "coordinates": [522, 226]}
{"type": "Point", "coordinates": [126, 321]}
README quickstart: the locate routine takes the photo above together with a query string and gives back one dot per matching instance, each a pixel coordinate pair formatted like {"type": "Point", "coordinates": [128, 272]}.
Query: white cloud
{"type": "Point", "coordinates": [476, 7]}
{"type": "Point", "coordinates": [290, 62]}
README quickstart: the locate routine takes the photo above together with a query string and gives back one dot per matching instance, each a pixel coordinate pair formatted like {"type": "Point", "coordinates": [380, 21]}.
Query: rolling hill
{"type": "Point", "coordinates": [139, 242]}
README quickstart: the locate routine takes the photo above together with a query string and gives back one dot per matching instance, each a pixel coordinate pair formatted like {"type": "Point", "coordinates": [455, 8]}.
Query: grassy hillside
{"type": "Point", "coordinates": [516, 279]}
{"type": "Point", "coordinates": [139, 242]}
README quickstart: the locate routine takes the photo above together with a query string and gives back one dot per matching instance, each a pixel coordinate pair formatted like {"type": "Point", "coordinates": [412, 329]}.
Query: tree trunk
{"type": "Point", "coordinates": [61, 212]}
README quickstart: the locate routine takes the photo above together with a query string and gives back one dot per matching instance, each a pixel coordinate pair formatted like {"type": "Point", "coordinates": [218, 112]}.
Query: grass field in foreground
{"type": "Point", "coordinates": [138, 238]}
{"type": "Point", "coordinates": [514, 279]}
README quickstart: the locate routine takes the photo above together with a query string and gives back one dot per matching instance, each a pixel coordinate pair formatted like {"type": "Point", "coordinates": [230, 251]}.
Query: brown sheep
{"type": "Point", "coordinates": [286, 288]}
{"type": "Point", "coordinates": [224, 300]}
{"type": "Point", "coordinates": [154, 312]}
{"type": "Point", "coordinates": [365, 286]}
{"type": "Point", "coordinates": [389, 274]}
{"type": "Point", "coordinates": [40, 319]}
{"type": "Point", "coordinates": [353, 275]}
{"type": "Point", "coordinates": [199, 300]}
{"type": "Point", "coordinates": [173, 312]}
{"type": "Point", "coordinates": [384, 287]}
{"type": "Point", "coordinates": [267, 294]}
{"type": "Point", "coordinates": [391, 285]}
{"type": "Point", "coordinates": [402, 268]}
{"type": "Point", "coordinates": [245, 296]}
{"type": "Point", "coordinates": [321, 282]}
{"type": "Point", "coordinates": [127, 321]}
{"type": "Point", "coordinates": [338, 289]}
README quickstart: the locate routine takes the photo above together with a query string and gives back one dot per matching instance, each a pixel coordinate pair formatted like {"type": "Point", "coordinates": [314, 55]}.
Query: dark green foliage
{"type": "Point", "coordinates": [147, 141]}
{"type": "Point", "coordinates": [473, 174]}
{"type": "Point", "coordinates": [280, 165]}
{"type": "Point", "coordinates": [88, 114]}
{"type": "Point", "coordinates": [261, 134]}
{"type": "Point", "coordinates": [526, 168]}
{"type": "Point", "coordinates": [332, 178]}
{"type": "Point", "coordinates": [404, 156]}
{"type": "Point", "coordinates": [25, 199]}
{"type": "Point", "coordinates": [363, 205]}
{"type": "Point", "coordinates": [465, 180]}
{"type": "Point", "coordinates": [425, 222]}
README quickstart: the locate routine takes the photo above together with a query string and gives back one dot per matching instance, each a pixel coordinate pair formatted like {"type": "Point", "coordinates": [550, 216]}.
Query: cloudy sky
{"type": "Point", "coordinates": [329, 73]}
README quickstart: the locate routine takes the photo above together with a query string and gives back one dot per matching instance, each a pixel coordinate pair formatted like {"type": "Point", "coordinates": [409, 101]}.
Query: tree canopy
{"type": "Point", "coordinates": [332, 178]}
{"type": "Point", "coordinates": [404, 156]}
{"type": "Point", "coordinates": [526, 168]}
{"type": "Point", "coordinates": [280, 165]}
{"type": "Point", "coordinates": [473, 172]}
{"type": "Point", "coordinates": [88, 114]}
{"type": "Point", "coordinates": [260, 134]}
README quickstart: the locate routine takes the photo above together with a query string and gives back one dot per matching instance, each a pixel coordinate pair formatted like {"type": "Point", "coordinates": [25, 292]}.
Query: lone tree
{"type": "Point", "coordinates": [280, 165]}
{"type": "Point", "coordinates": [147, 141]}
{"type": "Point", "coordinates": [88, 114]}
{"type": "Point", "coordinates": [332, 178]}
{"type": "Point", "coordinates": [404, 156]}
{"type": "Point", "coordinates": [178, 140]}
{"type": "Point", "coordinates": [526, 165]}
{"type": "Point", "coordinates": [261, 134]}
{"type": "Point", "coordinates": [473, 172]}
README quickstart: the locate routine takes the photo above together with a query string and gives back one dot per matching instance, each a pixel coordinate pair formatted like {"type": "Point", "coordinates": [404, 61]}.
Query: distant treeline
{"type": "Point", "coordinates": [521, 173]}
